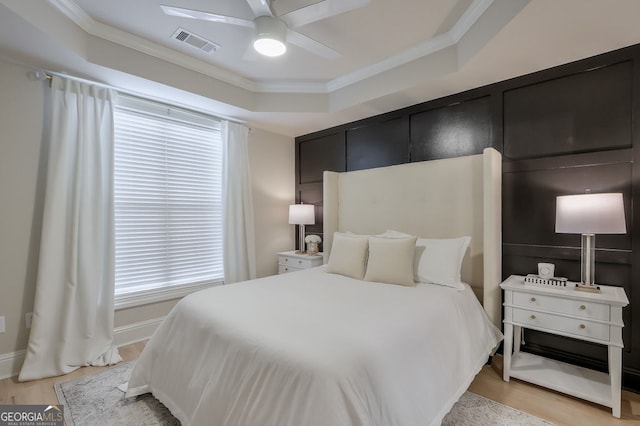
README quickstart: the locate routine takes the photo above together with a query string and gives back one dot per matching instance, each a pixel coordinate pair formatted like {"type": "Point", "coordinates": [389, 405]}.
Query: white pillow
{"type": "Point", "coordinates": [440, 261]}
{"type": "Point", "coordinates": [389, 233]}
{"type": "Point", "coordinates": [353, 234]}
{"type": "Point", "coordinates": [391, 260]}
{"type": "Point", "coordinates": [437, 261]}
{"type": "Point", "coordinates": [348, 255]}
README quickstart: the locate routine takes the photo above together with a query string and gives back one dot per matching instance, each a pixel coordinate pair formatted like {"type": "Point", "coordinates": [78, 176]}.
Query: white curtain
{"type": "Point", "coordinates": [239, 236]}
{"type": "Point", "coordinates": [73, 313]}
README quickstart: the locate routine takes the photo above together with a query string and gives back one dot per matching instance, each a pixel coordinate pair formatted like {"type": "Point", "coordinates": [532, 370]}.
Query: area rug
{"type": "Point", "coordinates": [96, 400]}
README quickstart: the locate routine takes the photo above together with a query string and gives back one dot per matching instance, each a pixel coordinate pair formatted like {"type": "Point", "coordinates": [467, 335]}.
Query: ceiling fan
{"type": "Point", "coordinates": [273, 31]}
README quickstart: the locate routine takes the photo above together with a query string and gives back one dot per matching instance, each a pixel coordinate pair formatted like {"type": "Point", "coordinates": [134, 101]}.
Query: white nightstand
{"type": "Point", "coordinates": [567, 312]}
{"type": "Point", "coordinates": [290, 261]}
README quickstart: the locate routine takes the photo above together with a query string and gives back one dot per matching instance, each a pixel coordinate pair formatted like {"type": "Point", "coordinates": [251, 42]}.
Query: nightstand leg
{"type": "Point", "coordinates": [517, 338]}
{"type": "Point", "coordinates": [615, 373]}
{"type": "Point", "coordinates": [508, 343]}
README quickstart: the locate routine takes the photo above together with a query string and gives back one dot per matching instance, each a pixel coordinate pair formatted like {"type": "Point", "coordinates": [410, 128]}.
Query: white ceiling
{"type": "Point", "coordinates": [394, 53]}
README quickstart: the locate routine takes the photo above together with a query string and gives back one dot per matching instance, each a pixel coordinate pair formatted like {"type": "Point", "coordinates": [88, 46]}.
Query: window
{"type": "Point", "coordinates": [168, 202]}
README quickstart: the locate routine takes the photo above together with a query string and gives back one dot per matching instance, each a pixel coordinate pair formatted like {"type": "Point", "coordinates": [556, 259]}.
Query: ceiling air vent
{"type": "Point", "coordinates": [196, 41]}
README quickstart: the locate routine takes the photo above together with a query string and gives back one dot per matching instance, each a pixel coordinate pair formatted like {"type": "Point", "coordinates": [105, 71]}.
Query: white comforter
{"type": "Point", "coordinates": [311, 348]}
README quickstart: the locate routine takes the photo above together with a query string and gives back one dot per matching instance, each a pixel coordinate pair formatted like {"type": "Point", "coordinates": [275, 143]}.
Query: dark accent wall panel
{"type": "Point", "coordinates": [451, 131]}
{"type": "Point", "coordinates": [313, 156]}
{"type": "Point", "coordinates": [588, 111]}
{"type": "Point", "coordinates": [319, 154]}
{"type": "Point", "coordinates": [378, 145]}
{"type": "Point", "coordinates": [562, 131]}
{"type": "Point", "coordinates": [529, 202]}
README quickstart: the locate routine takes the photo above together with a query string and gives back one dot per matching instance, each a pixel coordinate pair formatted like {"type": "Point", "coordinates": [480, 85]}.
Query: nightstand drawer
{"type": "Point", "coordinates": [283, 269]}
{"type": "Point", "coordinates": [553, 323]}
{"type": "Point", "coordinates": [291, 261]}
{"type": "Point", "coordinates": [298, 263]}
{"type": "Point", "coordinates": [590, 310]}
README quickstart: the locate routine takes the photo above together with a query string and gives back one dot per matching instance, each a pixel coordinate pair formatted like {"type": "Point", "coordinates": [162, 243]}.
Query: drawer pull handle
{"type": "Point", "coordinates": [582, 307]}
{"type": "Point", "coordinates": [299, 261]}
{"type": "Point", "coordinates": [532, 317]}
{"type": "Point", "coordinates": [533, 299]}
{"type": "Point", "coordinates": [582, 326]}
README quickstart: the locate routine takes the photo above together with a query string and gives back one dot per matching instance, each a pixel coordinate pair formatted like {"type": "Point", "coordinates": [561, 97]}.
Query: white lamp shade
{"type": "Point", "coordinates": [590, 214]}
{"type": "Point", "coordinates": [302, 214]}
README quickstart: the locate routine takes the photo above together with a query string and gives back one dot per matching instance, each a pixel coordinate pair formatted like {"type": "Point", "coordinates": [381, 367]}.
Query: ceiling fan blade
{"type": "Point", "coordinates": [321, 10]}
{"type": "Point", "coordinates": [261, 7]}
{"type": "Point", "coordinates": [206, 16]}
{"type": "Point", "coordinates": [311, 45]}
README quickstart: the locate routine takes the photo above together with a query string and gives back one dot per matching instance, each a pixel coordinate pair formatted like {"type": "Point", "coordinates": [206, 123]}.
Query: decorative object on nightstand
{"type": "Point", "coordinates": [586, 316]}
{"type": "Point", "coordinates": [301, 215]}
{"type": "Point", "coordinates": [546, 270]}
{"type": "Point", "coordinates": [313, 243]}
{"type": "Point", "coordinates": [545, 277]}
{"type": "Point", "coordinates": [590, 214]}
{"type": "Point", "coordinates": [554, 282]}
{"type": "Point", "coordinates": [291, 261]}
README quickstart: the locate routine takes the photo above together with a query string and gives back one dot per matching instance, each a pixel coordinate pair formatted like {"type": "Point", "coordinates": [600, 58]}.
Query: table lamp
{"type": "Point", "coordinates": [301, 215]}
{"type": "Point", "coordinates": [590, 214]}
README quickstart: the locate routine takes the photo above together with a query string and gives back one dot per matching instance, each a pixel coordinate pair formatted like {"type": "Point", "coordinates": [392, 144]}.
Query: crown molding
{"type": "Point", "coordinates": [443, 41]}
{"type": "Point", "coordinates": [468, 18]}
{"type": "Point", "coordinates": [77, 15]}
{"type": "Point", "coordinates": [74, 12]}
{"type": "Point", "coordinates": [416, 52]}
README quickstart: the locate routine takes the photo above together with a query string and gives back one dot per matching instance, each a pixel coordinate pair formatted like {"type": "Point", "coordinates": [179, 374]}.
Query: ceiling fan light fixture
{"type": "Point", "coordinates": [269, 47]}
{"type": "Point", "coordinates": [270, 36]}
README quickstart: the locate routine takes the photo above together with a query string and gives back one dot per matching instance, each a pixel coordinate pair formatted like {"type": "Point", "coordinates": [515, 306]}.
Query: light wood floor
{"type": "Point", "coordinates": [42, 392]}
{"type": "Point", "coordinates": [552, 406]}
{"type": "Point", "coordinates": [549, 405]}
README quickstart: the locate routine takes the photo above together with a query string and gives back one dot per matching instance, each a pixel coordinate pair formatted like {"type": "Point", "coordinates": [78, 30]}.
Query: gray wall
{"type": "Point", "coordinates": [23, 150]}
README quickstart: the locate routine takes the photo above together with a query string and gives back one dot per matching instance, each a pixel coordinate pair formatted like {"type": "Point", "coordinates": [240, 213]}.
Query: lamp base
{"type": "Point", "coordinates": [591, 288]}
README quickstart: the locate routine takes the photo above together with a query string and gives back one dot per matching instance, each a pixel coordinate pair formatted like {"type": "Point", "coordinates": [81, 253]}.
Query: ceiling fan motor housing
{"type": "Point", "coordinates": [271, 34]}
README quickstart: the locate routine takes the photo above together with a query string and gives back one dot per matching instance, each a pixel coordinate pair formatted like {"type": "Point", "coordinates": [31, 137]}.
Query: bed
{"type": "Point", "coordinates": [320, 347]}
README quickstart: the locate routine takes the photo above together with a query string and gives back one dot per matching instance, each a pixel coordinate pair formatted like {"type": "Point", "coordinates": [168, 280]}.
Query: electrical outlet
{"type": "Point", "coordinates": [28, 317]}
{"type": "Point", "coordinates": [2, 324]}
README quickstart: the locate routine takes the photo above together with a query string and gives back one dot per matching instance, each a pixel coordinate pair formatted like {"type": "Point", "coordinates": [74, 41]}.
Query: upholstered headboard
{"type": "Point", "coordinates": [445, 198]}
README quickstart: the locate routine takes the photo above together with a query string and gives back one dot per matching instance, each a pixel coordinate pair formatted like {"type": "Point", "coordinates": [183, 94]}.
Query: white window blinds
{"type": "Point", "coordinates": [168, 197]}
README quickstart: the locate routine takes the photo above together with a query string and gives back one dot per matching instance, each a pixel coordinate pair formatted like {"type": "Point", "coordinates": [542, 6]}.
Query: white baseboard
{"type": "Point", "coordinates": [136, 332]}
{"type": "Point", "coordinates": [10, 363]}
